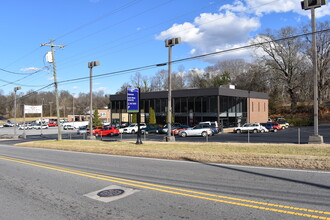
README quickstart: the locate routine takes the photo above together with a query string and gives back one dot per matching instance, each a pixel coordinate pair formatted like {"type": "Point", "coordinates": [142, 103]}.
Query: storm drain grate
{"type": "Point", "coordinates": [110, 192]}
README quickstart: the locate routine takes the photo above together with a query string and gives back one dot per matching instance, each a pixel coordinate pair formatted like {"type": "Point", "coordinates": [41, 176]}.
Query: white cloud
{"type": "Point", "coordinates": [75, 87]}
{"type": "Point", "coordinates": [213, 32]}
{"type": "Point", "coordinates": [30, 69]}
{"type": "Point", "coordinates": [232, 26]}
{"type": "Point", "coordinates": [50, 78]}
{"type": "Point", "coordinates": [100, 89]}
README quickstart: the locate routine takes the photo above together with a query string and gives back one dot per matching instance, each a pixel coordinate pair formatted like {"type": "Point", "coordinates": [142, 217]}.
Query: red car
{"type": "Point", "coordinates": [108, 131]}
{"type": "Point", "coordinates": [176, 130]}
{"type": "Point", "coordinates": [52, 124]}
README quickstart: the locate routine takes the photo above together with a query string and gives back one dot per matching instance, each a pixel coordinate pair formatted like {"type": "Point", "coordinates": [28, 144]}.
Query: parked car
{"type": "Point", "coordinates": [68, 127]}
{"type": "Point", "coordinates": [39, 126]}
{"type": "Point", "coordinates": [199, 130]}
{"type": "Point", "coordinates": [24, 127]}
{"type": "Point", "coordinates": [133, 128]}
{"type": "Point", "coordinates": [8, 125]}
{"type": "Point", "coordinates": [52, 124]}
{"type": "Point", "coordinates": [272, 126]}
{"type": "Point", "coordinates": [150, 128]}
{"type": "Point", "coordinates": [214, 125]}
{"type": "Point", "coordinates": [176, 130]}
{"type": "Point", "coordinates": [82, 130]}
{"type": "Point", "coordinates": [281, 121]}
{"type": "Point", "coordinates": [283, 124]}
{"type": "Point", "coordinates": [251, 127]}
{"type": "Point", "coordinates": [108, 131]}
{"type": "Point", "coordinates": [164, 129]}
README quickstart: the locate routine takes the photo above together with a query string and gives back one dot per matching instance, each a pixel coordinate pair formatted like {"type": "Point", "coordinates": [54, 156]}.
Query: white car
{"type": "Point", "coordinates": [24, 127]}
{"type": "Point", "coordinates": [251, 127]}
{"type": "Point", "coordinates": [40, 127]}
{"type": "Point", "coordinates": [133, 128]}
{"type": "Point", "coordinates": [197, 131]}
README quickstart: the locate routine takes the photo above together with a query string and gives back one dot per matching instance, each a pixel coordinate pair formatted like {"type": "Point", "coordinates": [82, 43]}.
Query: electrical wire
{"type": "Point", "coordinates": [129, 4]}
{"type": "Point", "coordinates": [143, 37]}
{"type": "Point", "coordinates": [192, 58]}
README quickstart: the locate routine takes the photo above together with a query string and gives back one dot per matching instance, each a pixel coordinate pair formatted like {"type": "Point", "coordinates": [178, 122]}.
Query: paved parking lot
{"type": "Point", "coordinates": [285, 136]}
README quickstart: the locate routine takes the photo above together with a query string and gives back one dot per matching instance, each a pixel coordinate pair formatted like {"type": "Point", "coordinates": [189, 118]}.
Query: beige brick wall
{"type": "Point", "coordinates": [257, 110]}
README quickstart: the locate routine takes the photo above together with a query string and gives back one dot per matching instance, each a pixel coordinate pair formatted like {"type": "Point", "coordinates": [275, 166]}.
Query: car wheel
{"type": "Point", "coordinates": [275, 130]}
{"type": "Point", "coordinates": [183, 134]}
{"type": "Point", "coordinates": [238, 131]}
{"type": "Point", "coordinates": [255, 131]}
{"type": "Point", "coordinates": [262, 130]}
{"type": "Point", "coordinates": [133, 132]}
{"type": "Point", "coordinates": [147, 132]}
{"type": "Point", "coordinates": [97, 134]}
{"type": "Point", "coordinates": [204, 134]}
{"type": "Point", "coordinates": [283, 128]}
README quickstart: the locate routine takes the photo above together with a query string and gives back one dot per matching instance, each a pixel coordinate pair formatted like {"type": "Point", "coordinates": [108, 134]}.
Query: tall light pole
{"type": "Point", "coordinates": [15, 125]}
{"type": "Point", "coordinates": [306, 5]}
{"type": "Point", "coordinates": [74, 118]}
{"type": "Point", "coordinates": [170, 43]}
{"type": "Point", "coordinates": [90, 66]}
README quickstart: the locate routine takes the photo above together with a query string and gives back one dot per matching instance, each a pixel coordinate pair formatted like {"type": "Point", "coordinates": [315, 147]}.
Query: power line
{"type": "Point", "coordinates": [192, 58]}
{"type": "Point", "coordinates": [129, 4]}
{"type": "Point", "coordinates": [142, 37]}
{"type": "Point", "coordinates": [18, 73]}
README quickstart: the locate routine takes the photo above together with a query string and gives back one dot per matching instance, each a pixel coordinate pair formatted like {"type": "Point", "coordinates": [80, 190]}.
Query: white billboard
{"type": "Point", "coordinates": [31, 109]}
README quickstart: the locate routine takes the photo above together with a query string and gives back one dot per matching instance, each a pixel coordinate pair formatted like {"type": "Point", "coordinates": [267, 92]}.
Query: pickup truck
{"type": "Point", "coordinates": [133, 128]}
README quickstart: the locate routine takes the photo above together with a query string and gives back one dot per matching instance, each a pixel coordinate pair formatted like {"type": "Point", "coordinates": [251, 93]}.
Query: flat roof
{"type": "Point", "coordinates": [197, 93]}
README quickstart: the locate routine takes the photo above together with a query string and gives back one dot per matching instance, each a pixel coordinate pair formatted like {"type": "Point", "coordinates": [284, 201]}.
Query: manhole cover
{"type": "Point", "coordinates": [110, 192]}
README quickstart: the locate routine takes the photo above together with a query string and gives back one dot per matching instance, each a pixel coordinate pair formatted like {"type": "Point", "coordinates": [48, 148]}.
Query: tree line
{"type": "Point", "coordinates": [68, 103]}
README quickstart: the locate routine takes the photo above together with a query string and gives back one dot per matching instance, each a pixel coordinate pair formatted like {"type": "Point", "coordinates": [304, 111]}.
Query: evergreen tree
{"type": "Point", "coordinates": [134, 118]}
{"type": "Point", "coordinates": [152, 116]}
{"type": "Point", "coordinates": [96, 118]}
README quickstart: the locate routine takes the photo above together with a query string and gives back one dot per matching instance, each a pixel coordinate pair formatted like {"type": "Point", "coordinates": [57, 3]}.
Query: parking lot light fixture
{"type": "Point", "coordinates": [170, 43]}
{"type": "Point", "coordinates": [90, 66]}
{"type": "Point", "coordinates": [312, 5]}
{"type": "Point", "coordinates": [15, 125]}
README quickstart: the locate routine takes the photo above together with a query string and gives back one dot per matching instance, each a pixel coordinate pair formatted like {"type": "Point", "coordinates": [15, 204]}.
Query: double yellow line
{"type": "Point", "coordinates": [188, 193]}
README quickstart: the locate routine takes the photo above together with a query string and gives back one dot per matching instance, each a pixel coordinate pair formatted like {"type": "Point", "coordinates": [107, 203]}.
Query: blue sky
{"type": "Point", "coordinates": [128, 34]}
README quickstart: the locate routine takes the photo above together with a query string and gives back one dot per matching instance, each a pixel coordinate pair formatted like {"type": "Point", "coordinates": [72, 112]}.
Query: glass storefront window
{"type": "Point", "coordinates": [198, 104]}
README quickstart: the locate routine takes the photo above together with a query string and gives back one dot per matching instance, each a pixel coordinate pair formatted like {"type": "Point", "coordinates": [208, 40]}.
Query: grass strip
{"type": "Point", "coordinates": [271, 155]}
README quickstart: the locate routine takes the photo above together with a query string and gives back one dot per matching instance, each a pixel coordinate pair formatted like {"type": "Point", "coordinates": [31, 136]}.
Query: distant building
{"type": "Point", "coordinates": [230, 107]}
{"type": "Point", "coordinates": [104, 114]}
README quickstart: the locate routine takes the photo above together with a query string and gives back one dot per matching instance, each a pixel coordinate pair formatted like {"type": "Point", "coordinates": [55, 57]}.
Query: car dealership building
{"type": "Point", "coordinates": [230, 107]}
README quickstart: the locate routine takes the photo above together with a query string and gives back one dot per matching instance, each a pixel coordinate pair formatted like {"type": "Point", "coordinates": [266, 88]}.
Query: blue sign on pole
{"type": "Point", "coordinates": [133, 100]}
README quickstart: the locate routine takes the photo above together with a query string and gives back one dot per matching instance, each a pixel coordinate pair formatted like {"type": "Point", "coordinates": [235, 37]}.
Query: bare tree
{"type": "Point", "coordinates": [323, 58]}
{"type": "Point", "coordinates": [284, 59]}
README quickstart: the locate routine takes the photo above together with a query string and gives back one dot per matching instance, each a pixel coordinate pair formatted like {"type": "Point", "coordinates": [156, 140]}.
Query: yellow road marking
{"type": "Point", "coordinates": [182, 192]}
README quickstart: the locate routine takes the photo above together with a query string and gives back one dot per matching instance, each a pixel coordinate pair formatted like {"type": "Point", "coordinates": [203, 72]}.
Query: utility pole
{"type": "Point", "coordinates": [51, 45]}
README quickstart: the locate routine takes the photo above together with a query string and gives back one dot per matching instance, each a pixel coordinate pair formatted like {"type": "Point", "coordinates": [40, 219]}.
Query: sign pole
{"type": "Point", "coordinates": [133, 106]}
{"type": "Point", "coordinates": [138, 140]}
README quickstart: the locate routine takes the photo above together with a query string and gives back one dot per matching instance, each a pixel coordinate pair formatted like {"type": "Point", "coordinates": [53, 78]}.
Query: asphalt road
{"type": "Point", "coordinates": [49, 184]}
{"type": "Point", "coordinates": [290, 135]}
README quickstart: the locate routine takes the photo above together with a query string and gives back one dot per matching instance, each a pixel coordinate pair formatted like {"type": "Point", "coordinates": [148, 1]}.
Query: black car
{"type": "Point", "coordinates": [151, 128]}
